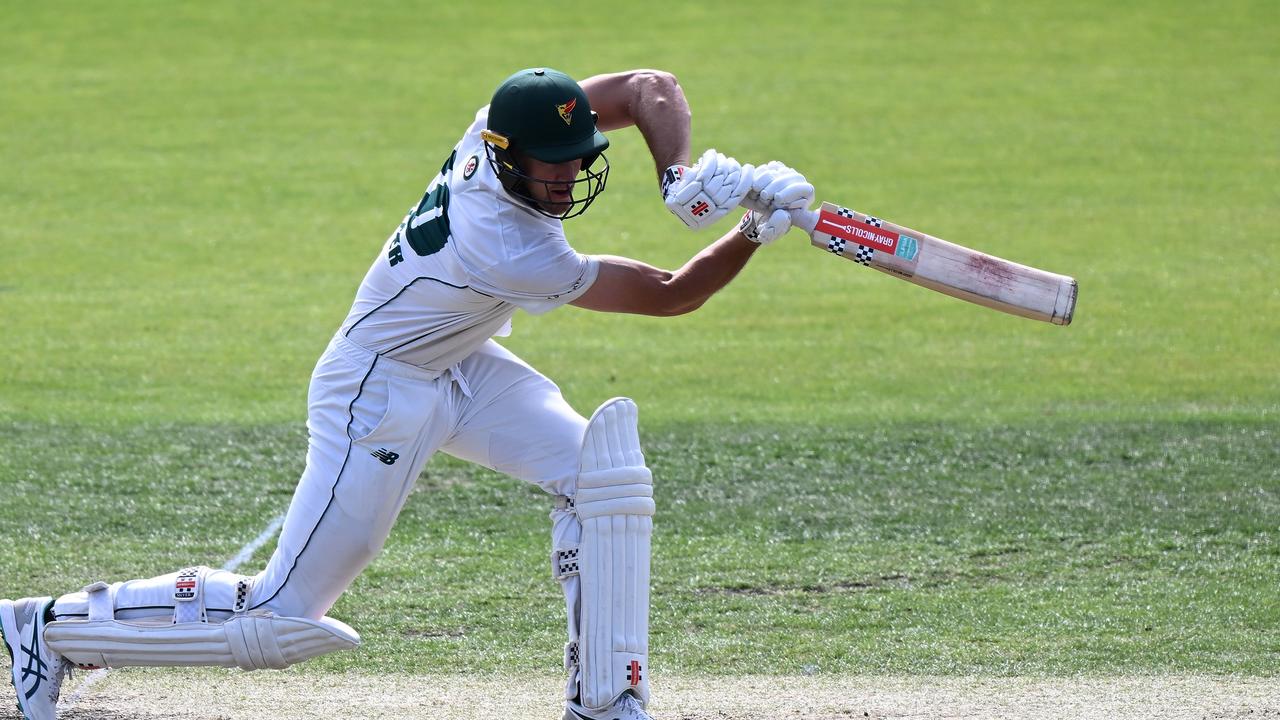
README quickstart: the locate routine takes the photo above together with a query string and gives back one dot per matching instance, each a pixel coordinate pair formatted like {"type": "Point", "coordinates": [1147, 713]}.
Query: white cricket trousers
{"type": "Point", "coordinates": [372, 424]}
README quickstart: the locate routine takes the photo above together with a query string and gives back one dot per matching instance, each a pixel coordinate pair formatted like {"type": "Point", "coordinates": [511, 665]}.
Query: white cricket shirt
{"type": "Point", "coordinates": [462, 261]}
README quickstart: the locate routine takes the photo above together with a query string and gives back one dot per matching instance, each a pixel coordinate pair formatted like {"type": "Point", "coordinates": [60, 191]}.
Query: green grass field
{"type": "Point", "coordinates": [855, 476]}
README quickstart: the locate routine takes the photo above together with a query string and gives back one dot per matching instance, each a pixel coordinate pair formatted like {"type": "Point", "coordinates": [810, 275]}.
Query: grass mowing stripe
{"type": "Point", "coordinates": [1034, 549]}
{"type": "Point", "coordinates": [219, 231]}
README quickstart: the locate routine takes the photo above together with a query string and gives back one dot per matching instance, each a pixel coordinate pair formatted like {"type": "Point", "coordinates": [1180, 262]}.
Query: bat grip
{"type": "Point", "coordinates": [806, 220]}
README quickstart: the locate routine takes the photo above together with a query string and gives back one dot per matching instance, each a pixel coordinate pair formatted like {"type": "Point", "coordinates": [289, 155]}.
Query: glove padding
{"type": "Point", "coordinates": [764, 229]}
{"type": "Point", "coordinates": [703, 194]}
{"type": "Point", "coordinates": [775, 186]}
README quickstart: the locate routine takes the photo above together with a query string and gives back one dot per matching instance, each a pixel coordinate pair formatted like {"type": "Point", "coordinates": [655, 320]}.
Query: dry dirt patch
{"type": "Point", "coordinates": [135, 694]}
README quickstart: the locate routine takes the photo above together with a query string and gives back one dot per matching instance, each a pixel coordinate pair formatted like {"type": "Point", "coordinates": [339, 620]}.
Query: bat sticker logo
{"type": "Point", "coordinates": [907, 247]}
{"type": "Point", "coordinates": [566, 110]}
{"type": "Point", "coordinates": [858, 232]}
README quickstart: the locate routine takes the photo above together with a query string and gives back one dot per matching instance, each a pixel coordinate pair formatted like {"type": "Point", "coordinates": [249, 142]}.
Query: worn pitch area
{"type": "Point", "coordinates": [135, 694]}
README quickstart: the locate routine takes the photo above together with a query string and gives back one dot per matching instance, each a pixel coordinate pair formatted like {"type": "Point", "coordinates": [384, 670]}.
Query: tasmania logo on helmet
{"type": "Point", "coordinates": [566, 110]}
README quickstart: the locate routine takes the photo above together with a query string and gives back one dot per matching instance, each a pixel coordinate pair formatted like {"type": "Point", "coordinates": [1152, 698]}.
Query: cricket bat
{"type": "Point", "coordinates": [939, 265]}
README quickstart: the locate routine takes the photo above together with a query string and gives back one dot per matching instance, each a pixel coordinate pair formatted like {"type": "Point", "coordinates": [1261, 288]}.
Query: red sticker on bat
{"type": "Point", "coordinates": [854, 230]}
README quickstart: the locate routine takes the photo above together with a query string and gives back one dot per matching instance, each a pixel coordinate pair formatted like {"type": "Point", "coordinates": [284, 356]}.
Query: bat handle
{"type": "Point", "coordinates": [806, 220]}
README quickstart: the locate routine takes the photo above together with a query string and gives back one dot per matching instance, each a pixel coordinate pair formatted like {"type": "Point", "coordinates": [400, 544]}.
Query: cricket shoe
{"type": "Point", "coordinates": [37, 671]}
{"type": "Point", "coordinates": [626, 707]}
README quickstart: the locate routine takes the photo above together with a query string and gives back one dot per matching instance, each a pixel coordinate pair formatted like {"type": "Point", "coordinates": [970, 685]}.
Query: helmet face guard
{"type": "Point", "coordinates": [545, 115]}
{"type": "Point", "coordinates": [583, 190]}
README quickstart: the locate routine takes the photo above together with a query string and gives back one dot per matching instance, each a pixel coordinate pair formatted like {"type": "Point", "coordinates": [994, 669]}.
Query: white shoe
{"type": "Point", "coordinates": [626, 707]}
{"type": "Point", "coordinates": [37, 671]}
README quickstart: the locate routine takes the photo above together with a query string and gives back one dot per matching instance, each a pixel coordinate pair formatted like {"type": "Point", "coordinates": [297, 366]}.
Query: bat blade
{"type": "Point", "coordinates": [939, 265]}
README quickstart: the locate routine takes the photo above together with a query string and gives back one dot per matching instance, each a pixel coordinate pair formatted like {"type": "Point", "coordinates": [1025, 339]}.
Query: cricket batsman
{"type": "Point", "coordinates": [414, 370]}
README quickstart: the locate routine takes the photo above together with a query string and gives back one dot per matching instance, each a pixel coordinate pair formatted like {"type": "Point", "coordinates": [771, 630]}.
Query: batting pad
{"type": "Point", "coordinates": [252, 641]}
{"type": "Point", "coordinates": [615, 506]}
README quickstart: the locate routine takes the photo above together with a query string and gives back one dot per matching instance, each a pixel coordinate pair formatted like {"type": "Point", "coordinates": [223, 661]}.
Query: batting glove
{"type": "Point", "coordinates": [775, 186]}
{"type": "Point", "coordinates": [764, 229]}
{"type": "Point", "coordinates": [706, 192]}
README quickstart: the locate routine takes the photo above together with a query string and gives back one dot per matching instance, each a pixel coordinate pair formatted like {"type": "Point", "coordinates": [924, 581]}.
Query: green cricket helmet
{"type": "Point", "coordinates": [544, 114]}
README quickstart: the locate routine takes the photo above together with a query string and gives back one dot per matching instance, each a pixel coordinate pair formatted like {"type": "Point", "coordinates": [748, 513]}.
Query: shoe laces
{"type": "Point", "coordinates": [631, 708]}
{"type": "Point", "coordinates": [65, 669]}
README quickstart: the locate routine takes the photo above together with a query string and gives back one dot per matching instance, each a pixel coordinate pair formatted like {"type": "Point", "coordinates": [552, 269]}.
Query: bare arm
{"type": "Point", "coordinates": [651, 100]}
{"type": "Point", "coordinates": [630, 286]}
{"type": "Point", "coordinates": [654, 102]}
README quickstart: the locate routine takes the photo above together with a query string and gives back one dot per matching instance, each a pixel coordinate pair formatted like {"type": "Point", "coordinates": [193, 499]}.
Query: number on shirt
{"type": "Point", "coordinates": [427, 227]}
